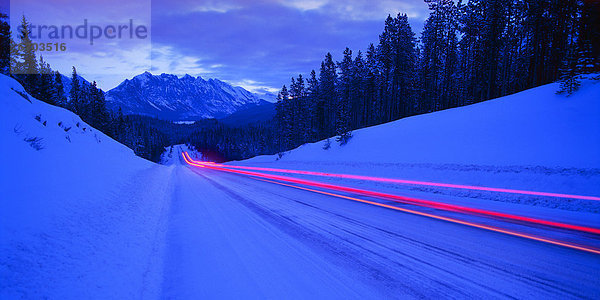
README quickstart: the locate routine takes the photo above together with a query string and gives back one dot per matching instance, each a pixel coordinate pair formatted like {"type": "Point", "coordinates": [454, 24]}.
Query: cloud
{"type": "Point", "coordinates": [253, 43]}
{"type": "Point", "coordinates": [111, 59]}
{"type": "Point", "coordinates": [254, 86]}
{"type": "Point", "coordinates": [304, 5]}
{"type": "Point", "coordinates": [216, 6]}
{"type": "Point", "coordinates": [267, 42]}
{"type": "Point", "coordinates": [359, 10]}
{"type": "Point", "coordinates": [165, 59]}
{"type": "Point", "coordinates": [107, 67]}
{"type": "Point", "coordinates": [376, 10]}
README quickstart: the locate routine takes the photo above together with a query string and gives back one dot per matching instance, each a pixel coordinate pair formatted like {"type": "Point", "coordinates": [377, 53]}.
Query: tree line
{"type": "Point", "coordinates": [19, 60]}
{"type": "Point", "coordinates": [220, 143]}
{"type": "Point", "coordinates": [468, 52]}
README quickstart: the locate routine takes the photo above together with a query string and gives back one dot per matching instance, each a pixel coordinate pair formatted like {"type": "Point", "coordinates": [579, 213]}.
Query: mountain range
{"type": "Point", "coordinates": [186, 98]}
{"type": "Point", "coordinates": [175, 98]}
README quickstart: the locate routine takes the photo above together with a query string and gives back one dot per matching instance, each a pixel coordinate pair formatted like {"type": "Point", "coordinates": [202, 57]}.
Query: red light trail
{"type": "Point", "coordinates": [487, 227]}
{"type": "Point", "coordinates": [414, 201]}
{"type": "Point", "coordinates": [411, 182]}
{"type": "Point", "coordinates": [400, 199]}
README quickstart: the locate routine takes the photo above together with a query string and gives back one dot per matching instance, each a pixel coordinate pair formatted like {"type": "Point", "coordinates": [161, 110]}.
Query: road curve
{"type": "Point", "coordinates": [337, 247]}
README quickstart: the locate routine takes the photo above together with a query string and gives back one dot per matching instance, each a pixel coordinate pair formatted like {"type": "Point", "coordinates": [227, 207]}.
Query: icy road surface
{"type": "Point", "coordinates": [231, 235]}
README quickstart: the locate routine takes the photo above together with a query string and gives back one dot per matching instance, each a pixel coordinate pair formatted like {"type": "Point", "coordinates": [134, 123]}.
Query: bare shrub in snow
{"type": "Point", "coordinates": [327, 145]}
{"type": "Point", "coordinates": [35, 142]}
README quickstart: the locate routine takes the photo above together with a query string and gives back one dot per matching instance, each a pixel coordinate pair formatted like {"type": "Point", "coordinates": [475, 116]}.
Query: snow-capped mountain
{"type": "Point", "coordinates": [172, 98]}
{"type": "Point", "coordinates": [265, 94]}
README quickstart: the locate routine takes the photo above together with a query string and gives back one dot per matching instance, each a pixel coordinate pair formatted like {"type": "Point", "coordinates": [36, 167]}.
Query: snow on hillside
{"type": "Point", "coordinates": [535, 127]}
{"type": "Point", "coordinates": [530, 140]}
{"type": "Point", "coordinates": [67, 216]}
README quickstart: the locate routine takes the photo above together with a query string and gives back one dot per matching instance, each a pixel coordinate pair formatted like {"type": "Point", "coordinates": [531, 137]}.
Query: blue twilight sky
{"type": "Point", "coordinates": [256, 44]}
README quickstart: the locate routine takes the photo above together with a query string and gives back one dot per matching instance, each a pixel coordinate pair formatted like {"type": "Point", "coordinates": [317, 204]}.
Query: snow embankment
{"type": "Point", "coordinates": [536, 127]}
{"type": "Point", "coordinates": [74, 212]}
{"type": "Point", "coordinates": [534, 140]}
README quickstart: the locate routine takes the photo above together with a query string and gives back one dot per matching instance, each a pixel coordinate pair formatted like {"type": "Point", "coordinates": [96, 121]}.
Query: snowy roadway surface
{"type": "Point", "coordinates": [231, 236]}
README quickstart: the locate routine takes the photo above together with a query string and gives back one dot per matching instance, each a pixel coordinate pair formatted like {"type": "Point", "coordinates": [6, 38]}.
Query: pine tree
{"type": "Point", "coordinates": [120, 129]}
{"type": "Point", "coordinates": [546, 28]}
{"type": "Point", "coordinates": [5, 44]}
{"type": "Point", "coordinates": [358, 99]}
{"type": "Point", "coordinates": [491, 41]}
{"type": "Point", "coordinates": [588, 42]}
{"type": "Point", "coordinates": [581, 57]}
{"type": "Point", "coordinates": [373, 101]}
{"type": "Point", "coordinates": [284, 120]}
{"type": "Point", "coordinates": [569, 67]}
{"type": "Point", "coordinates": [569, 83]}
{"type": "Point", "coordinates": [439, 60]}
{"type": "Point", "coordinates": [75, 101]}
{"type": "Point", "coordinates": [511, 59]}
{"type": "Point", "coordinates": [342, 117]}
{"type": "Point", "coordinates": [102, 114]}
{"type": "Point", "coordinates": [26, 62]}
{"type": "Point", "coordinates": [98, 115]}
{"type": "Point", "coordinates": [58, 91]}
{"type": "Point", "coordinates": [300, 119]}
{"type": "Point", "coordinates": [288, 129]}
{"type": "Point", "coordinates": [14, 54]}
{"type": "Point", "coordinates": [385, 57]}
{"type": "Point", "coordinates": [471, 21]}
{"type": "Point", "coordinates": [312, 97]}
{"type": "Point", "coordinates": [44, 82]}
{"type": "Point", "coordinates": [327, 91]}
{"type": "Point", "coordinates": [404, 68]}
{"type": "Point", "coordinates": [85, 101]}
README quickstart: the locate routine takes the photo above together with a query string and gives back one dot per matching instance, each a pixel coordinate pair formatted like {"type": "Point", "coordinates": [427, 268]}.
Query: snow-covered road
{"type": "Point", "coordinates": [221, 244]}
{"type": "Point", "coordinates": [230, 236]}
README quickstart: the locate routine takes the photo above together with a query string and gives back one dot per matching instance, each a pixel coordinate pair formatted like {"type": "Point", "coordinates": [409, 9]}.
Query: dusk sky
{"type": "Point", "coordinates": [253, 44]}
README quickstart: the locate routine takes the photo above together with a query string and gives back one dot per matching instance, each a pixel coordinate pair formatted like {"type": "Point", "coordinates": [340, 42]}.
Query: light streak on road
{"type": "Point", "coordinates": [453, 220]}
{"type": "Point", "coordinates": [401, 199]}
{"type": "Point", "coordinates": [410, 182]}
{"type": "Point", "coordinates": [426, 203]}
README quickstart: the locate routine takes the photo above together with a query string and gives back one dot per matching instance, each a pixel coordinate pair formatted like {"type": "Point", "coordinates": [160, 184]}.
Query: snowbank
{"type": "Point", "coordinates": [533, 140]}
{"type": "Point", "coordinates": [533, 128]}
{"type": "Point", "coordinates": [69, 222]}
